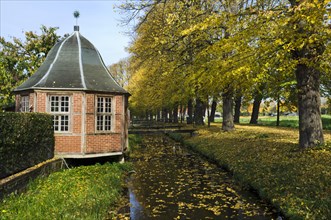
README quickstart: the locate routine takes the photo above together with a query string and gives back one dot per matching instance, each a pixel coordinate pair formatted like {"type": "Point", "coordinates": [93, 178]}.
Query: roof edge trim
{"type": "Point", "coordinates": [80, 60]}
{"type": "Point", "coordinates": [55, 59]}
{"type": "Point", "coordinates": [69, 89]}
{"type": "Point", "coordinates": [104, 66]}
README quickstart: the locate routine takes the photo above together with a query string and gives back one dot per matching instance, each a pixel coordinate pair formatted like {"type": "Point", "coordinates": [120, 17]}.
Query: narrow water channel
{"type": "Point", "coordinates": [171, 182]}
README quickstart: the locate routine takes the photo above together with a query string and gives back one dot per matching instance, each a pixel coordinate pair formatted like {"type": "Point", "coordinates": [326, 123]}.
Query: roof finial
{"type": "Point", "coordinates": [76, 15]}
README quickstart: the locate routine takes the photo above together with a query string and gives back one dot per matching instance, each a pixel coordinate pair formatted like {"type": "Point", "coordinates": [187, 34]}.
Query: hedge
{"type": "Point", "coordinates": [26, 139]}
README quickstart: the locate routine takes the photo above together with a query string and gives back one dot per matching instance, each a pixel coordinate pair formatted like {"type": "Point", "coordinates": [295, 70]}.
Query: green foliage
{"type": "Point", "coordinates": [26, 139]}
{"type": "Point", "coordinates": [86, 192]}
{"type": "Point", "coordinates": [20, 59]}
{"type": "Point", "coordinates": [135, 139]}
{"type": "Point", "coordinates": [267, 159]}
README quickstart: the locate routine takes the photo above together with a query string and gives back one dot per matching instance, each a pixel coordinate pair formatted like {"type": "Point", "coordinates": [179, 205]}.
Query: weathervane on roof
{"type": "Point", "coordinates": [76, 15]}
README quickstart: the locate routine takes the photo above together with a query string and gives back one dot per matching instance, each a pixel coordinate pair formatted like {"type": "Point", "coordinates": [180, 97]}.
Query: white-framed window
{"type": "Point", "coordinates": [104, 114]}
{"type": "Point", "coordinates": [59, 107]}
{"type": "Point", "coordinates": [24, 104]}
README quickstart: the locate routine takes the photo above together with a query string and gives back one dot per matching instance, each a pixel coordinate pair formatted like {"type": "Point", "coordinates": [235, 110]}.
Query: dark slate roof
{"type": "Point", "coordinates": [73, 64]}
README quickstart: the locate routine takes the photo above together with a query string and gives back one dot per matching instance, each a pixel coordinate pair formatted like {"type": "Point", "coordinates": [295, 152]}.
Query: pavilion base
{"type": "Point", "coordinates": [82, 156]}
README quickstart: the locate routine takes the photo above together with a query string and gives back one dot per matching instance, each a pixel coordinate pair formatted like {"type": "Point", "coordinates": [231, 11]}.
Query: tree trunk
{"type": "Point", "coordinates": [199, 112]}
{"type": "Point", "coordinates": [308, 83]}
{"type": "Point", "coordinates": [278, 112]}
{"type": "Point", "coordinates": [228, 124]}
{"type": "Point", "coordinates": [182, 113]}
{"type": "Point", "coordinates": [151, 116]}
{"type": "Point", "coordinates": [175, 114]}
{"type": "Point", "coordinates": [170, 117]}
{"type": "Point", "coordinates": [189, 119]}
{"type": "Point", "coordinates": [208, 116]}
{"type": "Point", "coordinates": [237, 108]}
{"type": "Point", "coordinates": [158, 116]}
{"type": "Point", "coordinates": [309, 101]}
{"type": "Point", "coordinates": [146, 115]}
{"type": "Point", "coordinates": [165, 115]}
{"type": "Point", "coordinates": [213, 111]}
{"type": "Point", "coordinates": [256, 109]}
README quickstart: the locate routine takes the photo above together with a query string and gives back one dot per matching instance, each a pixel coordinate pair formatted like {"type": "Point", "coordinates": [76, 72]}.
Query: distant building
{"type": "Point", "coordinates": [89, 107]}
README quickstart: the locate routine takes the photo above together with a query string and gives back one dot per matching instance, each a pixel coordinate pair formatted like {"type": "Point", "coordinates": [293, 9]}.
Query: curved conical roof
{"type": "Point", "coordinates": [73, 64]}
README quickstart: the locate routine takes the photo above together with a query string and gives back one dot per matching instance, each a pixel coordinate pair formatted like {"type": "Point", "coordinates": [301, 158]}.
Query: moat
{"type": "Point", "coordinates": [171, 182]}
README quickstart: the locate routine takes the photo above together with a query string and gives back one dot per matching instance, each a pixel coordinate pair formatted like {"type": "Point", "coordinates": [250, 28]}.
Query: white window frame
{"type": "Point", "coordinates": [104, 116]}
{"type": "Point", "coordinates": [25, 103]}
{"type": "Point", "coordinates": [60, 107]}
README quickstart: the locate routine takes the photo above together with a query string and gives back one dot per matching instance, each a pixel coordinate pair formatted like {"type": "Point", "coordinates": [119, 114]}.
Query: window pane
{"type": "Point", "coordinates": [56, 122]}
{"type": "Point", "coordinates": [59, 107]}
{"type": "Point", "coordinates": [64, 103]}
{"type": "Point", "coordinates": [100, 104]}
{"type": "Point", "coordinates": [108, 104]}
{"type": "Point", "coordinates": [25, 104]}
{"type": "Point", "coordinates": [54, 103]}
{"type": "Point", "coordinates": [64, 123]}
{"type": "Point", "coordinates": [99, 122]}
{"type": "Point", "coordinates": [107, 122]}
{"type": "Point", "coordinates": [103, 117]}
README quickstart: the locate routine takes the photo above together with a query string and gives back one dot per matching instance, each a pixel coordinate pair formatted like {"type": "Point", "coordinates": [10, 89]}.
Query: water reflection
{"type": "Point", "coordinates": [173, 183]}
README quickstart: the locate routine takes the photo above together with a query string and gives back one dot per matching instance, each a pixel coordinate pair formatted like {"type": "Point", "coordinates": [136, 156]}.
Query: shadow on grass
{"type": "Point", "coordinates": [285, 121]}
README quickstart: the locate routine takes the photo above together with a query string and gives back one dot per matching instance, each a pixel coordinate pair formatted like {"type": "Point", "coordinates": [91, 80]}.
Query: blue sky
{"type": "Point", "coordinates": [99, 22]}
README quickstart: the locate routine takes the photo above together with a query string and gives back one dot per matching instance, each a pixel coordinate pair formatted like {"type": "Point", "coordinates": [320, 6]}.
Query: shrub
{"type": "Point", "coordinates": [26, 139]}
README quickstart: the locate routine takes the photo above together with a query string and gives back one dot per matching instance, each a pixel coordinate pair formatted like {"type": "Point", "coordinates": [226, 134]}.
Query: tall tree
{"type": "Point", "coordinates": [309, 37]}
{"type": "Point", "coordinates": [20, 59]}
{"type": "Point", "coordinates": [212, 47]}
{"type": "Point", "coordinates": [121, 72]}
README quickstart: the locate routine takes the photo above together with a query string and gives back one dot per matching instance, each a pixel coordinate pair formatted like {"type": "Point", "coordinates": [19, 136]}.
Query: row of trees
{"type": "Point", "coordinates": [196, 52]}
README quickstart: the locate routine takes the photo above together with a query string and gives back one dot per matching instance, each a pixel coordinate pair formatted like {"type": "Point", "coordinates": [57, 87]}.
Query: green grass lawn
{"type": "Point", "coordinates": [285, 121]}
{"type": "Point", "coordinates": [86, 192]}
{"type": "Point", "coordinates": [268, 159]}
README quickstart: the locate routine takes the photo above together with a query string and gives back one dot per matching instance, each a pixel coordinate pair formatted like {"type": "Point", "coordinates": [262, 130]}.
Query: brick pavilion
{"type": "Point", "coordinates": [89, 107]}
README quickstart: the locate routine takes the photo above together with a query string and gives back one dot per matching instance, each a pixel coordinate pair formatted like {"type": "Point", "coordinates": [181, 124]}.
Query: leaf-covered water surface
{"type": "Point", "coordinates": [172, 183]}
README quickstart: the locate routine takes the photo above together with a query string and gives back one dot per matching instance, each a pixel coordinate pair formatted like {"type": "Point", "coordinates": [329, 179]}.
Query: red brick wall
{"type": "Point", "coordinates": [95, 142]}
{"type": "Point", "coordinates": [90, 111]}
{"type": "Point", "coordinates": [76, 111]}
{"type": "Point", "coordinates": [104, 142]}
{"type": "Point", "coordinates": [119, 113]}
{"type": "Point", "coordinates": [41, 102]}
{"type": "Point", "coordinates": [17, 103]}
{"type": "Point", "coordinates": [67, 144]}
{"type": "Point", "coordinates": [100, 143]}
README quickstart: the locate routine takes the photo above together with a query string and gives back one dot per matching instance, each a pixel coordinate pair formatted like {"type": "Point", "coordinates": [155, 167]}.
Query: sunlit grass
{"type": "Point", "coordinates": [269, 160]}
{"type": "Point", "coordinates": [134, 140]}
{"type": "Point", "coordinates": [285, 121]}
{"type": "Point", "coordinates": [86, 192]}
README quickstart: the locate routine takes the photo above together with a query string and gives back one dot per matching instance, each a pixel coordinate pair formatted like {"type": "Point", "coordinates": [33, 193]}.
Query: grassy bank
{"type": "Point", "coordinates": [268, 159]}
{"type": "Point", "coordinates": [86, 192]}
